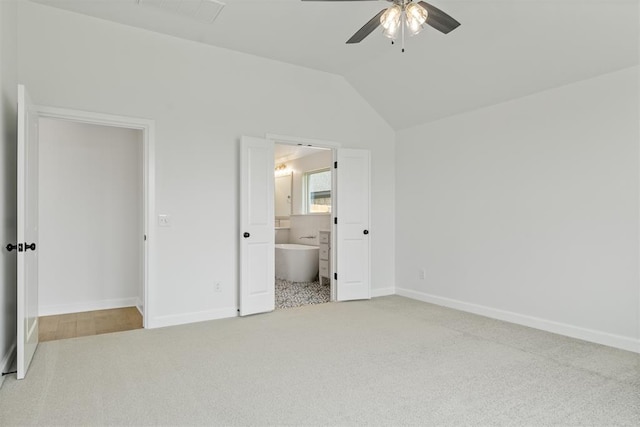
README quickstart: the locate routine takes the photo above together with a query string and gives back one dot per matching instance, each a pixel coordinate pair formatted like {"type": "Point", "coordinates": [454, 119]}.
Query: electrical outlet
{"type": "Point", "coordinates": [421, 274]}
{"type": "Point", "coordinates": [217, 287]}
{"type": "Point", "coordinates": [164, 220]}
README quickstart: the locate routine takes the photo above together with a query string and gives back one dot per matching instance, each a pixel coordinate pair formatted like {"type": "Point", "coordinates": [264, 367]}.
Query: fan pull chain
{"type": "Point", "coordinates": [403, 24]}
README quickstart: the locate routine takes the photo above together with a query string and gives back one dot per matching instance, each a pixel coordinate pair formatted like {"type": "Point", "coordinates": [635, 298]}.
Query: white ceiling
{"type": "Point", "coordinates": [286, 152]}
{"type": "Point", "coordinates": [504, 49]}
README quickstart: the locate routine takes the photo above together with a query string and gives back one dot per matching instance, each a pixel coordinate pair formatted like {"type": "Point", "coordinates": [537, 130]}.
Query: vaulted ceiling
{"type": "Point", "coordinates": [503, 50]}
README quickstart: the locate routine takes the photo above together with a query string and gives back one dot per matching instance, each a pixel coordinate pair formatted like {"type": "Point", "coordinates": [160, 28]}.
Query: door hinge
{"type": "Point", "coordinates": [335, 220]}
{"type": "Point", "coordinates": [335, 165]}
{"type": "Point", "coordinates": [335, 276]}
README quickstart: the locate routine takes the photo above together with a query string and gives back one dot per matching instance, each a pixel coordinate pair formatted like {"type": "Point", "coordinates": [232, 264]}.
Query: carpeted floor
{"type": "Point", "coordinates": [388, 361]}
{"type": "Point", "coordinates": [295, 294]}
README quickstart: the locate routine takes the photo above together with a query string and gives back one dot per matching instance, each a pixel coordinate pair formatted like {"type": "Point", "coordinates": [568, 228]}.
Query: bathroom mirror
{"type": "Point", "coordinates": [283, 196]}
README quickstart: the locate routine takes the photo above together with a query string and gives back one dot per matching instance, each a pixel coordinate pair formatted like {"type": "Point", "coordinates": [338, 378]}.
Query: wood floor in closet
{"type": "Point", "coordinates": [87, 323]}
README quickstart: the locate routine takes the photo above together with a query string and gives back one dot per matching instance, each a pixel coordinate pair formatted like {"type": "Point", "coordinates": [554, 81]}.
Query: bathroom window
{"type": "Point", "coordinates": [317, 189]}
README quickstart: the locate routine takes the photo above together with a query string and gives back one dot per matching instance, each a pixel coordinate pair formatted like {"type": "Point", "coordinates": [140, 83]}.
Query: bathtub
{"type": "Point", "coordinates": [296, 263]}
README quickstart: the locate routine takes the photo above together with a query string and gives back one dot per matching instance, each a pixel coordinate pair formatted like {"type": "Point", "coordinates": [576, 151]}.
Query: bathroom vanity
{"type": "Point", "coordinates": [325, 256]}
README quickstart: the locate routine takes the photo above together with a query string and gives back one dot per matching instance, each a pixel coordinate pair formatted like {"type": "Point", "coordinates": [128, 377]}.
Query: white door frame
{"type": "Point", "coordinates": [333, 146]}
{"type": "Point", "coordinates": [147, 126]}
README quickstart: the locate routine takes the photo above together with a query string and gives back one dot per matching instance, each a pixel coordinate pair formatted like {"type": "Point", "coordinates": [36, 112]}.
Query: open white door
{"type": "Point", "coordinates": [353, 206]}
{"type": "Point", "coordinates": [27, 286]}
{"type": "Point", "coordinates": [257, 235]}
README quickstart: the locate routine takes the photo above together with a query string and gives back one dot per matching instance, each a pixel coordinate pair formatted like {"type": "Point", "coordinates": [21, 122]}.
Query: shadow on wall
{"type": "Point", "coordinates": [9, 226]}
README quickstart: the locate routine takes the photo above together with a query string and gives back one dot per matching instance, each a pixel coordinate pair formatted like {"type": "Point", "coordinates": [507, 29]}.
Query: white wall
{"type": "Point", "coordinates": [528, 210]}
{"type": "Point", "coordinates": [8, 100]}
{"type": "Point", "coordinates": [305, 229]}
{"type": "Point", "coordinates": [91, 204]}
{"type": "Point", "coordinates": [202, 99]}
{"type": "Point", "coordinates": [320, 160]}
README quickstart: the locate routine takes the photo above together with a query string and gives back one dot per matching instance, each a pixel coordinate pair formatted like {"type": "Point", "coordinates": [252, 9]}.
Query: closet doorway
{"type": "Point", "coordinates": [91, 265]}
{"type": "Point", "coordinates": [28, 216]}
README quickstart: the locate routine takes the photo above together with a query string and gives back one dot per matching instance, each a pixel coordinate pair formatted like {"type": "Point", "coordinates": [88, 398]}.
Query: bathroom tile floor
{"type": "Point", "coordinates": [295, 294]}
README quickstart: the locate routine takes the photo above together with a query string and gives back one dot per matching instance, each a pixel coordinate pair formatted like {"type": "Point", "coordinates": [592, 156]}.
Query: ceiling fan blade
{"type": "Point", "coordinates": [438, 19]}
{"type": "Point", "coordinates": [366, 29]}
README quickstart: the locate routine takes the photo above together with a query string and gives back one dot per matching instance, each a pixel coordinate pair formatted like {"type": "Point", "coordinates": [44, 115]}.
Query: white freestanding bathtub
{"type": "Point", "coordinates": [296, 263]}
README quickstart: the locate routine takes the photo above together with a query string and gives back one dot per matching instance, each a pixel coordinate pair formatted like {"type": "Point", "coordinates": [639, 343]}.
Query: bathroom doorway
{"type": "Point", "coordinates": [303, 198]}
{"type": "Point", "coordinates": [347, 243]}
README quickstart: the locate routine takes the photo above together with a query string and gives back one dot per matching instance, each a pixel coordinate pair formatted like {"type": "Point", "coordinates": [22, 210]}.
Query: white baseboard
{"type": "Point", "coordinates": [598, 337]}
{"type": "Point", "coordinates": [383, 292]}
{"type": "Point", "coordinates": [51, 310]}
{"type": "Point", "coordinates": [140, 306]}
{"type": "Point", "coordinates": [200, 316]}
{"type": "Point", "coordinates": [7, 361]}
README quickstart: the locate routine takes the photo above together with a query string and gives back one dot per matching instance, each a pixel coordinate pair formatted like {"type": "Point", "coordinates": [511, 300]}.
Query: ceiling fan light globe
{"type": "Point", "coordinates": [390, 21]}
{"type": "Point", "coordinates": [391, 18]}
{"type": "Point", "coordinates": [413, 30]}
{"type": "Point", "coordinates": [416, 16]}
{"type": "Point", "coordinates": [414, 27]}
{"type": "Point", "coordinates": [391, 33]}
{"type": "Point", "coordinates": [416, 12]}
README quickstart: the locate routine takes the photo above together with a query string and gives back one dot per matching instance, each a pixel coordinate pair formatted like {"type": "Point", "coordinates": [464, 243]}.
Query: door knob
{"type": "Point", "coordinates": [31, 246]}
{"type": "Point", "coordinates": [366, 232]}
{"type": "Point", "coordinates": [246, 235]}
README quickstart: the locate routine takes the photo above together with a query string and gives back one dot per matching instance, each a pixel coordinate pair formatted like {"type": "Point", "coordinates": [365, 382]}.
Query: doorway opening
{"type": "Point", "coordinates": [96, 173]}
{"type": "Point", "coordinates": [91, 226]}
{"type": "Point", "coordinates": [348, 240]}
{"type": "Point", "coordinates": [303, 198]}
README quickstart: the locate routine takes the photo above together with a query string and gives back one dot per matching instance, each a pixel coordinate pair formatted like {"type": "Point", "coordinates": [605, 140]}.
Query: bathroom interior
{"type": "Point", "coordinates": [302, 225]}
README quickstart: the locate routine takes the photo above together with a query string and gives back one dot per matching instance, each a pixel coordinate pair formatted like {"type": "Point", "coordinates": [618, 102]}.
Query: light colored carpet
{"type": "Point", "coordinates": [389, 361]}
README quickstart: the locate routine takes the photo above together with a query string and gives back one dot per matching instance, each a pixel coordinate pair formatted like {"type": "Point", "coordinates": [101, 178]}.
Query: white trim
{"type": "Point", "coordinates": [382, 292]}
{"type": "Point", "coordinates": [79, 307]}
{"type": "Point", "coordinates": [294, 140]}
{"type": "Point", "coordinates": [140, 306]}
{"type": "Point", "coordinates": [7, 361]}
{"type": "Point", "coordinates": [617, 341]}
{"type": "Point", "coordinates": [200, 316]}
{"type": "Point", "coordinates": [638, 260]}
{"type": "Point", "coordinates": [333, 261]}
{"type": "Point", "coordinates": [90, 117]}
{"type": "Point", "coordinates": [147, 126]}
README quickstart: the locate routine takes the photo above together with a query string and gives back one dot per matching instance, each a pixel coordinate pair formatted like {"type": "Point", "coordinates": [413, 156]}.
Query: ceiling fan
{"type": "Point", "coordinates": [404, 16]}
